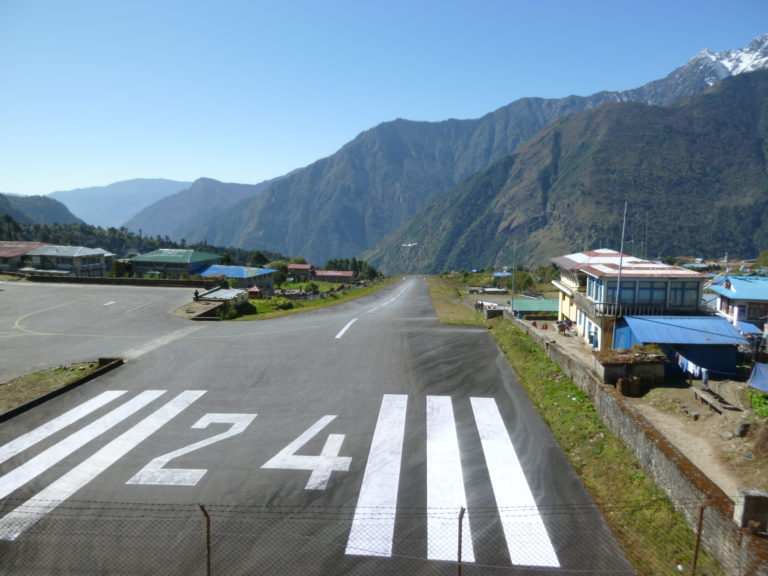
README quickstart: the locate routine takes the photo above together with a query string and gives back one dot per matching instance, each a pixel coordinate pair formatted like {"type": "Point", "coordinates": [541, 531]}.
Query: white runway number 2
{"type": "Point", "coordinates": [156, 473]}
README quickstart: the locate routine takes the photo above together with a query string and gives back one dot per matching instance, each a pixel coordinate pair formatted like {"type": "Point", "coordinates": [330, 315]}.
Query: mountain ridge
{"type": "Point", "coordinates": [345, 203]}
{"type": "Point", "coordinates": [687, 171]}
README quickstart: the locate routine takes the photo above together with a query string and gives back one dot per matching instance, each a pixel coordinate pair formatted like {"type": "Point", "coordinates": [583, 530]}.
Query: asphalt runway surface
{"type": "Point", "coordinates": [364, 438]}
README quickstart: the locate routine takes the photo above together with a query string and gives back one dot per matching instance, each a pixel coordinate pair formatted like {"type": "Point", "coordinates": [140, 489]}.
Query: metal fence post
{"type": "Point", "coordinates": [699, 523]}
{"type": "Point", "coordinates": [207, 539]}
{"type": "Point", "coordinates": [461, 518]}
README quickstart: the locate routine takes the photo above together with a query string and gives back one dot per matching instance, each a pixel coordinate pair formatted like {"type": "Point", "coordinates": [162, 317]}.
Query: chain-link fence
{"type": "Point", "coordinates": [80, 537]}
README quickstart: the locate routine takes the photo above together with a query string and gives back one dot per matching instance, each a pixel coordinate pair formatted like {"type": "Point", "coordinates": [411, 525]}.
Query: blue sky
{"type": "Point", "coordinates": [97, 91]}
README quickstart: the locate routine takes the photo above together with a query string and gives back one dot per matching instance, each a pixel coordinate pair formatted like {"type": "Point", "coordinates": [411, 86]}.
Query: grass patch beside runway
{"type": "Point", "coordinates": [32, 386]}
{"type": "Point", "coordinates": [281, 306]}
{"type": "Point", "coordinates": [449, 308]}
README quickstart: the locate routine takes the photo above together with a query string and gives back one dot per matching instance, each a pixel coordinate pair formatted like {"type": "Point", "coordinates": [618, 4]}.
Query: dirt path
{"type": "Point", "coordinates": [708, 439]}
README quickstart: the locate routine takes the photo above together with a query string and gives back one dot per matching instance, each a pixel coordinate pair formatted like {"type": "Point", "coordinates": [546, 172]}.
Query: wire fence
{"type": "Point", "coordinates": [86, 537]}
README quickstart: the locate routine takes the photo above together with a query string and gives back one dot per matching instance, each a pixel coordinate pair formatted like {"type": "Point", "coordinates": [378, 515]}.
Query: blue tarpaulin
{"type": "Point", "coordinates": [759, 377]}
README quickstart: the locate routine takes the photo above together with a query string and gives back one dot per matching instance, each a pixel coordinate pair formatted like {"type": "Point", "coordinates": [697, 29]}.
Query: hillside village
{"type": "Point", "coordinates": [40, 261]}
{"type": "Point", "coordinates": [702, 325]}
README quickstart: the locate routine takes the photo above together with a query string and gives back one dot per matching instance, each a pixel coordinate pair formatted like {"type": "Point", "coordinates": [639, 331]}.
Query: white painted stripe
{"type": "Point", "coordinates": [527, 539]}
{"type": "Point", "coordinates": [42, 432]}
{"type": "Point", "coordinates": [373, 525]}
{"type": "Point", "coordinates": [45, 501]}
{"type": "Point", "coordinates": [445, 485]}
{"type": "Point", "coordinates": [340, 334]}
{"type": "Point", "coordinates": [56, 453]}
{"type": "Point", "coordinates": [134, 353]}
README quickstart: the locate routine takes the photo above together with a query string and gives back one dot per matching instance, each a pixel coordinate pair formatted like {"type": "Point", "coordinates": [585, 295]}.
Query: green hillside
{"type": "Point", "coordinates": [694, 175]}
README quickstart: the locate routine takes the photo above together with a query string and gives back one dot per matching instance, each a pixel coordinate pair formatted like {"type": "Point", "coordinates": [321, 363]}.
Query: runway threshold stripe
{"type": "Point", "coordinates": [445, 485]}
{"type": "Point", "coordinates": [56, 453]}
{"type": "Point", "coordinates": [527, 539]}
{"type": "Point", "coordinates": [49, 428]}
{"type": "Point", "coordinates": [373, 525]}
{"type": "Point", "coordinates": [48, 499]}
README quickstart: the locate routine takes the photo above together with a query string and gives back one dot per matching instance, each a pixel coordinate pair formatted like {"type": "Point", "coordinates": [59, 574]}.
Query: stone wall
{"type": "Point", "coordinates": [738, 550]}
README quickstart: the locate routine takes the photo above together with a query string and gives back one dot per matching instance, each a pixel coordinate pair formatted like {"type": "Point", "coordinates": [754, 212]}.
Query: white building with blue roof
{"type": "Point", "coordinates": [743, 300]}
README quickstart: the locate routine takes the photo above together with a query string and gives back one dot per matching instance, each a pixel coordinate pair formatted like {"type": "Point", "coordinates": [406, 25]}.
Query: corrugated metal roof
{"type": "Point", "coordinates": [753, 288]}
{"type": "Point", "coordinates": [224, 294]}
{"type": "Point", "coordinates": [340, 273]}
{"type": "Point", "coordinates": [9, 249]}
{"type": "Point", "coordinates": [534, 304]}
{"type": "Point", "coordinates": [173, 255]}
{"type": "Point", "coordinates": [609, 263]}
{"type": "Point", "coordinates": [684, 330]}
{"type": "Point", "coordinates": [748, 328]}
{"type": "Point", "coordinates": [234, 271]}
{"type": "Point", "coordinates": [68, 251]}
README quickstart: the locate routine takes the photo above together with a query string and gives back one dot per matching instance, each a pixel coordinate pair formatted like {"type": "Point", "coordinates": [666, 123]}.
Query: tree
{"type": "Point", "coordinates": [281, 271]}
{"type": "Point", "coordinates": [10, 227]}
{"type": "Point", "coordinates": [258, 259]}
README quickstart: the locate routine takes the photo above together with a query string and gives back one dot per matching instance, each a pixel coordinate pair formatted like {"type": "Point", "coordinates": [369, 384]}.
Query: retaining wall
{"type": "Point", "coordinates": [732, 546]}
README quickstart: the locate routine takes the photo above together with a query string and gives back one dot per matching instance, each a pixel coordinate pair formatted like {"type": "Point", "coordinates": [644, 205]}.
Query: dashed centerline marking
{"type": "Point", "coordinates": [340, 334]}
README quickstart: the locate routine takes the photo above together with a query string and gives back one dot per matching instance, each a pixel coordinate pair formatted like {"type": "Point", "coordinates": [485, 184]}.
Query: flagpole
{"type": "Point", "coordinates": [618, 280]}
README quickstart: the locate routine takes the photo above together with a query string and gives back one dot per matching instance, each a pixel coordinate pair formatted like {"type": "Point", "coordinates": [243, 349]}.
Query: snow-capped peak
{"type": "Point", "coordinates": [753, 57]}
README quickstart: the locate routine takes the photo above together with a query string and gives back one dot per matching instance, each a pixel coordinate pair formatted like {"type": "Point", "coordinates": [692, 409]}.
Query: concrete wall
{"type": "Point", "coordinates": [738, 550]}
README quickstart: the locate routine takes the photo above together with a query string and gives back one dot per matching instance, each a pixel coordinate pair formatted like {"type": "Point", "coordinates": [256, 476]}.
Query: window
{"type": "Point", "coordinates": [684, 294]}
{"type": "Point", "coordinates": [651, 292]}
{"type": "Point", "coordinates": [628, 288]}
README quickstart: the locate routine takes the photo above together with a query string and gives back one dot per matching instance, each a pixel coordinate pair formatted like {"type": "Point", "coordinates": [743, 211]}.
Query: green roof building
{"type": "Point", "coordinates": [172, 262]}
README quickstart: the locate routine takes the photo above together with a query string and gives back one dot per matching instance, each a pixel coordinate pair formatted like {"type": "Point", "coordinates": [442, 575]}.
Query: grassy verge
{"type": "Point", "coordinates": [277, 307]}
{"type": "Point", "coordinates": [654, 536]}
{"type": "Point", "coordinates": [26, 388]}
{"type": "Point", "coordinates": [446, 298]}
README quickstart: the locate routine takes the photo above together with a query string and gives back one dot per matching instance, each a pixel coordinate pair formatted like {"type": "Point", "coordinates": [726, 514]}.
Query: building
{"type": "Point", "coordinates": [691, 344]}
{"type": "Point", "coordinates": [301, 272]}
{"type": "Point", "coordinates": [13, 255]}
{"type": "Point", "coordinates": [244, 277]}
{"type": "Point", "coordinates": [172, 263]}
{"type": "Point", "coordinates": [589, 282]}
{"type": "Point", "coordinates": [336, 276]}
{"type": "Point", "coordinates": [76, 261]}
{"type": "Point", "coordinates": [742, 300]}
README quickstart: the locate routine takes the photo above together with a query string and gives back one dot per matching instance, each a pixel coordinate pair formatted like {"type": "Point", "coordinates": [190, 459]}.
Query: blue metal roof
{"type": "Point", "coordinates": [742, 287]}
{"type": "Point", "coordinates": [748, 328]}
{"type": "Point", "coordinates": [684, 330]}
{"type": "Point", "coordinates": [233, 271]}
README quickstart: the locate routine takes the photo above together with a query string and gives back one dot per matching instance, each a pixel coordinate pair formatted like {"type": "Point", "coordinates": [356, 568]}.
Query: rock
{"type": "Point", "coordinates": [741, 429]}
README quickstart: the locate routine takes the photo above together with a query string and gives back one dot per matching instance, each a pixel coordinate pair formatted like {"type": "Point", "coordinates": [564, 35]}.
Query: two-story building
{"type": "Point", "coordinates": [68, 261]}
{"type": "Point", "coordinates": [172, 263]}
{"type": "Point", "coordinates": [301, 272]}
{"type": "Point", "coordinates": [598, 287]}
{"type": "Point", "coordinates": [14, 254]}
{"type": "Point", "coordinates": [743, 300]}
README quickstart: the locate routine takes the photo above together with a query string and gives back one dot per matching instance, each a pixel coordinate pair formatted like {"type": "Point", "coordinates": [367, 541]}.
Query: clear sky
{"type": "Point", "coordinates": [97, 91]}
